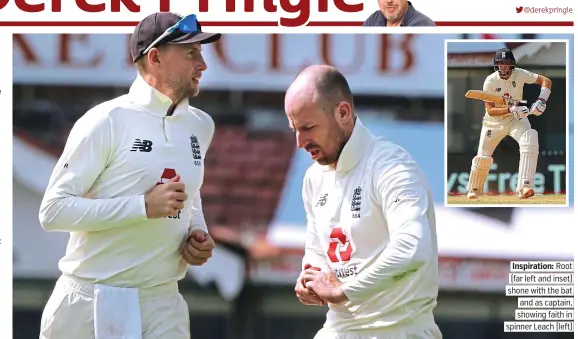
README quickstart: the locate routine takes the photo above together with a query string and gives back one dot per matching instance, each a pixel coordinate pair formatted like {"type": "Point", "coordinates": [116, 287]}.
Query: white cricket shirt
{"type": "Point", "coordinates": [115, 153]}
{"type": "Point", "coordinates": [371, 220]}
{"type": "Point", "coordinates": [513, 87]}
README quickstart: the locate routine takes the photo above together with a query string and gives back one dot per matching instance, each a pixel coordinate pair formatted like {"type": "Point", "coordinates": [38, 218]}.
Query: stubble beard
{"type": "Point", "coordinates": [181, 89]}
{"type": "Point", "coordinates": [396, 17]}
{"type": "Point", "coordinates": [341, 141]}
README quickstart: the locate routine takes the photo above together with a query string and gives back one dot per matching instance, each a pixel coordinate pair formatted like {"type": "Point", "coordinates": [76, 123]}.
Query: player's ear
{"type": "Point", "coordinates": [344, 111]}
{"type": "Point", "coordinates": [153, 56]}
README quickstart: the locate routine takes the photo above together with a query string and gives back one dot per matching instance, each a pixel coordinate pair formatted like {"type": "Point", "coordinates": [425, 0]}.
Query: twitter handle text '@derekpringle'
{"type": "Point", "coordinates": [544, 10]}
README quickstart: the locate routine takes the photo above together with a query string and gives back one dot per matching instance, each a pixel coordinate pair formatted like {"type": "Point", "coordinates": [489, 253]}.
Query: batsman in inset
{"type": "Point", "coordinates": [509, 116]}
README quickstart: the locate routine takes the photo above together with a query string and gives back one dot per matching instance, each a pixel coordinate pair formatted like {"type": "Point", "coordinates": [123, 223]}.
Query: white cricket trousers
{"type": "Point", "coordinates": [418, 330]}
{"type": "Point", "coordinates": [69, 313]}
{"type": "Point", "coordinates": [493, 132]}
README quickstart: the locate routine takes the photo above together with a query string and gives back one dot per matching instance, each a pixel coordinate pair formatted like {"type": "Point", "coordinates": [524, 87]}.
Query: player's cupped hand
{"type": "Point", "coordinates": [307, 296]}
{"type": "Point", "coordinates": [325, 285]}
{"type": "Point", "coordinates": [197, 247]}
{"type": "Point", "coordinates": [166, 200]}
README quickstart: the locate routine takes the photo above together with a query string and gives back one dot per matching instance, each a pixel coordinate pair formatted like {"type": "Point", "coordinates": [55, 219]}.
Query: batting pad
{"type": "Point", "coordinates": [529, 150]}
{"type": "Point", "coordinates": [479, 173]}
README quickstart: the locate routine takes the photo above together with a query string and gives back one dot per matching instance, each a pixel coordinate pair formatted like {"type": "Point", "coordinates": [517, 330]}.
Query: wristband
{"type": "Point", "coordinates": [544, 93]}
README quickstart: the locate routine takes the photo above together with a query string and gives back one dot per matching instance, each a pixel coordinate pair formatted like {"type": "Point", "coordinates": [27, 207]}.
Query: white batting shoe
{"type": "Point", "coordinates": [525, 193]}
{"type": "Point", "coordinates": [472, 195]}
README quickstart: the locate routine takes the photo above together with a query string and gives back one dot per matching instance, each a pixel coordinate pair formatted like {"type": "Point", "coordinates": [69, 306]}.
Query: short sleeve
{"type": "Point", "coordinates": [527, 77]}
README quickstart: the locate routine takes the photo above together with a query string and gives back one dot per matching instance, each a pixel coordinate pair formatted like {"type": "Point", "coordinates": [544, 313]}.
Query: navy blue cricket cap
{"type": "Point", "coordinates": [154, 25]}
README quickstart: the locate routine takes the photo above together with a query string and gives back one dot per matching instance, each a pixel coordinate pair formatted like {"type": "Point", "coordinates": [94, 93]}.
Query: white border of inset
{"type": "Point", "coordinates": [575, 94]}
{"type": "Point", "coordinates": [567, 151]}
{"type": "Point", "coordinates": [6, 244]}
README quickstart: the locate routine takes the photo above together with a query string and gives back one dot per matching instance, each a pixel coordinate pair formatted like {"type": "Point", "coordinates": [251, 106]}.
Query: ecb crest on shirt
{"type": "Point", "coordinates": [356, 203]}
{"type": "Point", "coordinates": [196, 150]}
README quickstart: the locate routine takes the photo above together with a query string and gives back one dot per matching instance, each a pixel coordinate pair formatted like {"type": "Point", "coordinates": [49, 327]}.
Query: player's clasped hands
{"type": "Point", "coordinates": [519, 112]}
{"type": "Point", "coordinates": [304, 294]}
{"type": "Point", "coordinates": [166, 200]}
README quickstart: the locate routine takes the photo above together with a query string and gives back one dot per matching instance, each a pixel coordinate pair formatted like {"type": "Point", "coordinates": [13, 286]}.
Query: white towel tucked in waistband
{"type": "Point", "coordinates": [116, 313]}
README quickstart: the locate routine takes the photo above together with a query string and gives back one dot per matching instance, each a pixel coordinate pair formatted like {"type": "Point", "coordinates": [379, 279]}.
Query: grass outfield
{"type": "Point", "coordinates": [550, 199]}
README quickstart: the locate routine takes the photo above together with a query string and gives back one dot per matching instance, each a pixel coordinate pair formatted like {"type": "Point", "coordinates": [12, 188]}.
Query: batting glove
{"type": "Point", "coordinates": [538, 107]}
{"type": "Point", "coordinates": [519, 112]}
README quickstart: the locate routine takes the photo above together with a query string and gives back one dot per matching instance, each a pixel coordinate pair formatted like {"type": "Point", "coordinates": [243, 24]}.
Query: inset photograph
{"type": "Point", "coordinates": [506, 123]}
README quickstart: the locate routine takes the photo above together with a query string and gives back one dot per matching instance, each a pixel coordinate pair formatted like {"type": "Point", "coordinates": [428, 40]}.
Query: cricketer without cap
{"type": "Point", "coordinates": [510, 119]}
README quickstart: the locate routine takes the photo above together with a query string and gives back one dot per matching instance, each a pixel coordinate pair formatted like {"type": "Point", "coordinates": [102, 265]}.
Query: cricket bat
{"type": "Point", "coordinates": [492, 97]}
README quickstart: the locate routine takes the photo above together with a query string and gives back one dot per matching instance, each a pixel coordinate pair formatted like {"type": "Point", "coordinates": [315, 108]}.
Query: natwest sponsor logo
{"type": "Point", "coordinates": [374, 64]}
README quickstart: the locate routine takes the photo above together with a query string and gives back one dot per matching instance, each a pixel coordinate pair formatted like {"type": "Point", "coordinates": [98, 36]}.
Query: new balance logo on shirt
{"type": "Point", "coordinates": [142, 145]}
{"type": "Point", "coordinates": [322, 200]}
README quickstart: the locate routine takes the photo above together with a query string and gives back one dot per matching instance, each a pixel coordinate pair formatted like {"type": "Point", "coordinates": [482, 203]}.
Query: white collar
{"type": "Point", "coordinates": [354, 149]}
{"type": "Point", "coordinates": [155, 102]}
